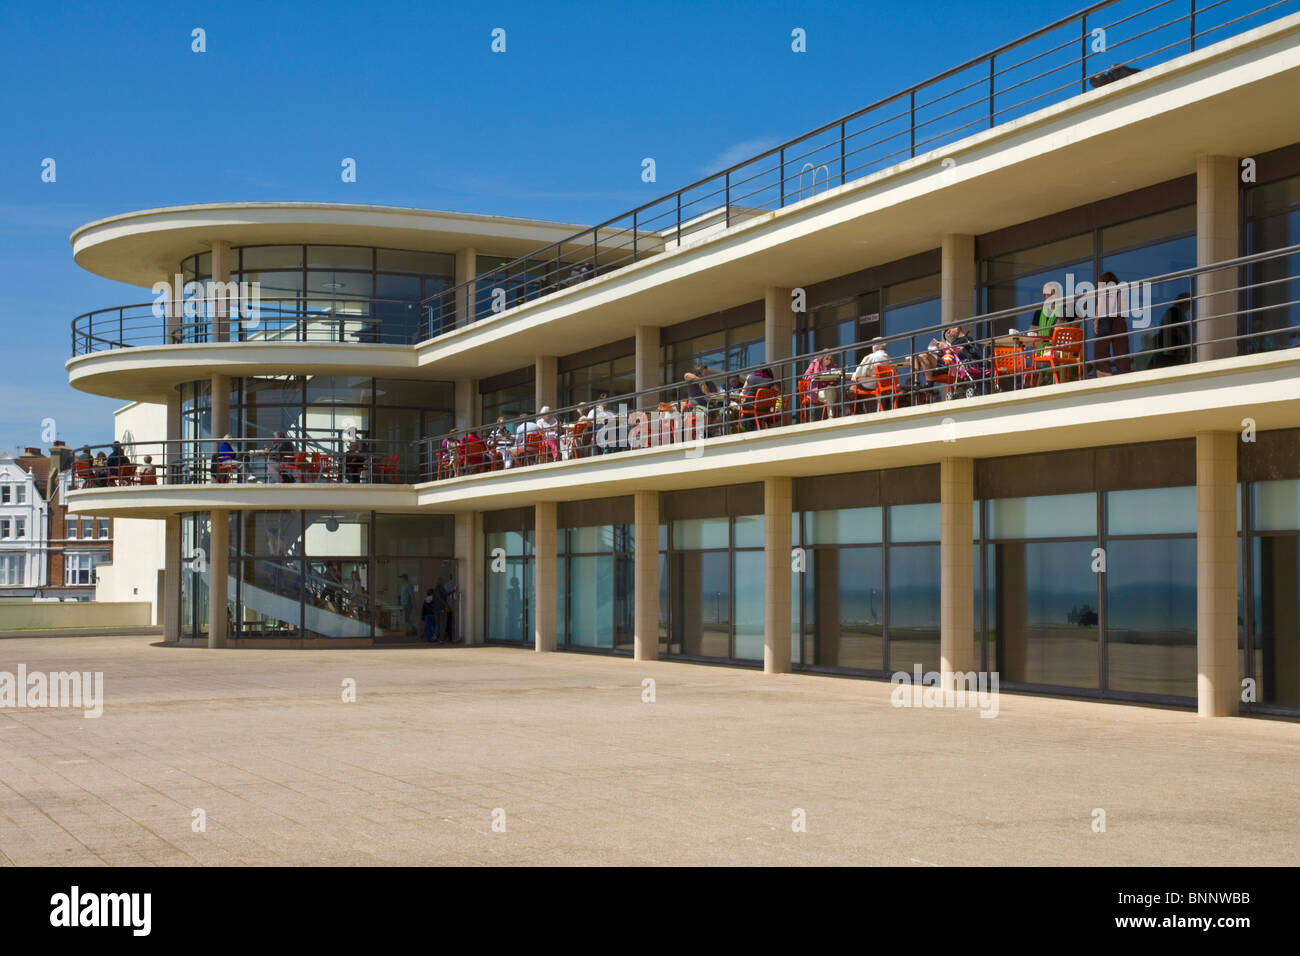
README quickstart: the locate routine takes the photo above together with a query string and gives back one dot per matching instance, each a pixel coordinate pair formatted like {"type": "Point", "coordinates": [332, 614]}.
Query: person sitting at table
{"type": "Point", "coordinates": [147, 470]}
{"type": "Point", "coordinates": [449, 453]}
{"type": "Point", "coordinates": [87, 463]}
{"type": "Point", "coordinates": [527, 427]}
{"type": "Point", "coordinates": [817, 374]}
{"type": "Point", "coordinates": [699, 390]}
{"type": "Point", "coordinates": [99, 470]}
{"type": "Point", "coordinates": [468, 440]}
{"type": "Point", "coordinates": [500, 444]}
{"type": "Point", "coordinates": [759, 378]}
{"type": "Point", "coordinates": [963, 345]}
{"type": "Point", "coordinates": [354, 462]}
{"type": "Point", "coordinates": [1044, 319]}
{"type": "Point", "coordinates": [864, 376]}
{"type": "Point", "coordinates": [227, 461]}
{"type": "Point", "coordinates": [116, 459]}
{"type": "Point", "coordinates": [279, 452]}
{"type": "Point", "coordinates": [550, 428]}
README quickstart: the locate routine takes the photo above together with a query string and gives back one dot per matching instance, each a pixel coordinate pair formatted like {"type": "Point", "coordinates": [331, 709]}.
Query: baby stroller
{"type": "Point", "coordinates": [955, 370]}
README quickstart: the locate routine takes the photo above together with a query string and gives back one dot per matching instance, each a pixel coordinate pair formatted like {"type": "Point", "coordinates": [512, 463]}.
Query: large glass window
{"type": "Point", "coordinates": [595, 581]}
{"type": "Point", "coordinates": [509, 605]}
{"type": "Point", "coordinates": [715, 569]}
{"type": "Point", "coordinates": [1272, 222]}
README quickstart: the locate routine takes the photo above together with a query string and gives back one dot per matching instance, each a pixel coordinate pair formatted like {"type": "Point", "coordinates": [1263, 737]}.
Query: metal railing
{"type": "Point", "coordinates": [247, 460]}
{"type": "Point", "coordinates": [1100, 44]}
{"type": "Point", "coordinates": [1005, 350]}
{"type": "Point", "coordinates": [305, 318]}
{"type": "Point", "coordinates": [1238, 306]}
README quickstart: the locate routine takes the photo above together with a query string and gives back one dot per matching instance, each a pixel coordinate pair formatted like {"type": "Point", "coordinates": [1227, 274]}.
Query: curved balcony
{"type": "Point", "coordinates": [141, 351]}
{"type": "Point", "coordinates": [156, 478]}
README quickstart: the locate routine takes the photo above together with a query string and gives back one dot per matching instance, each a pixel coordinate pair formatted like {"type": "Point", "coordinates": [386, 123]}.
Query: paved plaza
{"type": "Point", "coordinates": [562, 749]}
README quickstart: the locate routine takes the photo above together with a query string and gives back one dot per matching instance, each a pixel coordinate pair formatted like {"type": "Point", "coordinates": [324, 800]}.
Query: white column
{"type": "Point", "coordinates": [1217, 672]}
{"type": "Point", "coordinates": [778, 498]}
{"type": "Point", "coordinates": [547, 380]}
{"type": "Point", "coordinates": [218, 578]}
{"type": "Point", "coordinates": [778, 323]}
{"type": "Point", "coordinates": [469, 562]}
{"type": "Point", "coordinates": [956, 566]}
{"type": "Point", "coordinates": [169, 603]}
{"type": "Point", "coordinates": [220, 413]}
{"type": "Point", "coordinates": [220, 274]}
{"type": "Point", "coordinates": [466, 271]}
{"type": "Point", "coordinates": [647, 364]}
{"type": "Point", "coordinates": [645, 575]}
{"type": "Point", "coordinates": [1216, 240]}
{"type": "Point", "coordinates": [544, 581]}
{"type": "Point", "coordinates": [957, 278]}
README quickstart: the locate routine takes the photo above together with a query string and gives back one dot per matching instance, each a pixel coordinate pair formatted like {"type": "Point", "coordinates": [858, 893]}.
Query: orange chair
{"type": "Point", "coordinates": [581, 447]}
{"type": "Point", "coordinates": [126, 474]}
{"type": "Point", "coordinates": [148, 478]}
{"type": "Point", "coordinates": [668, 427]}
{"type": "Point", "coordinates": [1064, 351]}
{"type": "Point", "coordinates": [534, 448]}
{"type": "Point", "coordinates": [81, 474]}
{"type": "Point", "coordinates": [762, 408]}
{"type": "Point", "coordinates": [886, 387]}
{"type": "Point", "coordinates": [1011, 362]}
{"type": "Point", "coordinates": [805, 400]}
{"type": "Point", "coordinates": [323, 467]}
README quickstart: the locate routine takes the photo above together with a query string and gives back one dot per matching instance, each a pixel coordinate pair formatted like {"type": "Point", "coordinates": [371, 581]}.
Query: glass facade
{"type": "Point", "coordinates": [340, 285]}
{"type": "Point", "coordinates": [594, 574]}
{"type": "Point", "coordinates": [1272, 222]}
{"type": "Point", "coordinates": [319, 575]}
{"type": "Point", "coordinates": [509, 599]}
{"type": "Point", "coordinates": [715, 588]}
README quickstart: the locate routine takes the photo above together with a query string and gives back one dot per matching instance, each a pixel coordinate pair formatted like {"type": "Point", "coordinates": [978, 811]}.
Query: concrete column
{"type": "Point", "coordinates": [778, 498]}
{"type": "Point", "coordinates": [169, 469]}
{"type": "Point", "coordinates": [645, 575]}
{"type": "Point", "coordinates": [1217, 678]}
{"type": "Point", "coordinates": [547, 380]}
{"type": "Point", "coordinates": [647, 364]}
{"type": "Point", "coordinates": [956, 566]}
{"type": "Point", "coordinates": [1216, 240]}
{"type": "Point", "coordinates": [173, 312]}
{"type": "Point", "coordinates": [220, 309]}
{"type": "Point", "coordinates": [778, 324]}
{"type": "Point", "coordinates": [544, 575]}
{"type": "Point", "coordinates": [469, 564]}
{"type": "Point", "coordinates": [169, 600]}
{"type": "Point", "coordinates": [467, 403]}
{"type": "Point", "coordinates": [466, 271]}
{"type": "Point", "coordinates": [957, 279]}
{"type": "Point", "coordinates": [218, 578]}
{"type": "Point", "coordinates": [220, 411]}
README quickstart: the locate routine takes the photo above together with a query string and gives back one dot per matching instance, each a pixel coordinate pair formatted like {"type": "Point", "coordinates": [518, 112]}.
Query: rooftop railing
{"type": "Point", "coordinates": [1098, 45]}
{"type": "Point", "coordinates": [1239, 306]}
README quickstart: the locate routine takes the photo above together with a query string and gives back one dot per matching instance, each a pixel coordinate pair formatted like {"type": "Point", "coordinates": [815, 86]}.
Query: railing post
{"type": "Point", "coordinates": [843, 171]}
{"type": "Point", "coordinates": [782, 206]}
{"type": "Point", "coordinates": [991, 71]}
{"type": "Point", "coordinates": [634, 235]}
{"type": "Point", "coordinates": [913, 123]}
{"type": "Point", "coordinates": [1083, 54]}
{"type": "Point", "coordinates": [679, 219]}
{"type": "Point", "coordinates": [726, 199]}
{"type": "Point", "coordinates": [121, 329]}
{"type": "Point", "coordinates": [595, 248]}
{"type": "Point", "coordinates": [1192, 24]}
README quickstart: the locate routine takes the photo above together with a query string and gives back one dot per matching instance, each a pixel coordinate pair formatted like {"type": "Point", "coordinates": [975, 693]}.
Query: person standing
{"type": "Point", "coordinates": [440, 603]}
{"type": "Point", "coordinates": [1110, 328]}
{"type": "Point", "coordinates": [429, 617]}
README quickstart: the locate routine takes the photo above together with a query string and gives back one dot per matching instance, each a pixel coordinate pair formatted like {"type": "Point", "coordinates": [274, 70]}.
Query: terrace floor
{"type": "Point", "coordinates": [587, 773]}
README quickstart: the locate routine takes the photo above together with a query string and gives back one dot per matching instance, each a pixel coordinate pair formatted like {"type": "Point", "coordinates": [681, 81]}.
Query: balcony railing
{"type": "Point", "coordinates": [1235, 307]}
{"type": "Point", "coordinates": [248, 460]}
{"type": "Point", "coordinates": [1098, 45]}
{"type": "Point", "coordinates": [306, 318]}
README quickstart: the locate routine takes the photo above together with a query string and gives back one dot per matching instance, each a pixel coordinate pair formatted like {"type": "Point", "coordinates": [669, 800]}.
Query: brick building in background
{"type": "Point", "coordinates": [44, 551]}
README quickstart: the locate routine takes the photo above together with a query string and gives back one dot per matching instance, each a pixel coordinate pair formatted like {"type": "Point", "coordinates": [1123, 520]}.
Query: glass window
{"type": "Point", "coordinates": [914, 522]}
{"type": "Point", "coordinates": [70, 528]}
{"type": "Point", "coordinates": [340, 257]}
{"type": "Point", "coordinates": [1038, 258]}
{"type": "Point", "coordinates": [1151, 511]}
{"type": "Point", "coordinates": [336, 533]}
{"type": "Point", "coordinates": [5, 531]}
{"type": "Point", "coordinates": [748, 588]}
{"type": "Point", "coordinates": [845, 608]}
{"type": "Point", "coordinates": [914, 607]}
{"type": "Point", "coordinates": [1275, 505]}
{"type": "Point", "coordinates": [749, 531]}
{"type": "Point", "coordinates": [103, 527]}
{"type": "Point", "coordinates": [1276, 601]}
{"type": "Point", "coordinates": [269, 257]}
{"type": "Point", "coordinates": [1045, 516]}
{"type": "Point", "coordinates": [6, 491]}
{"type": "Point", "coordinates": [701, 533]}
{"type": "Point", "coordinates": [1150, 229]}
{"type": "Point", "coordinates": [421, 263]}
{"type": "Point", "coordinates": [1151, 616]}
{"type": "Point", "coordinates": [20, 494]}
{"type": "Point", "coordinates": [843, 526]}
{"type": "Point", "coordinates": [414, 535]}
{"type": "Point", "coordinates": [701, 592]}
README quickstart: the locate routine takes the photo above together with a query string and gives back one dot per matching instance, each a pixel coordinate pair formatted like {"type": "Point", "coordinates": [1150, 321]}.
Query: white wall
{"type": "Point", "coordinates": [138, 543]}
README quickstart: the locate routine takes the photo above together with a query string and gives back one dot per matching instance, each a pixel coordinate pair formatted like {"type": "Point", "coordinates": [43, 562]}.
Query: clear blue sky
{"type": "Point", "coordinates": [555, 128]}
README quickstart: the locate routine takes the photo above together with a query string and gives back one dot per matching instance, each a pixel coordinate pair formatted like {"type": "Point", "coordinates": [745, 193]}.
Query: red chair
{"type": "Point", "coordinates": [472, 455]}
{"type": "Point", "coordinates": [126, 474]}
{"type": "Point", "coordinates": [148, 478]}
{"type": "Point", "coordinates": [386, 470]}
{"type": "Point", "coordinates": [1065, 351]}
{"type": "Point", "coordinates": [581, 443]}
{"type": "Point", "coordinates": [886, 388]}
{"type": "Point", "coordinates": [81, 474]}
{"type": "Point", "coordinates": [296, 466]}
{"type": "Point", "coordinates": [323, 467]}
{"type": "Point", "coordinates": [226, 470]}
{"type": "Point", "coordinates": [762, 408]}
{"type": "Point", "coordinates": [805, 400]}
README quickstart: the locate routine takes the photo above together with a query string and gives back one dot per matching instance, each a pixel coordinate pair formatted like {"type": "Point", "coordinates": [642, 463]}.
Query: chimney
{"type": "Point", "coordinates": [32, 453]}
